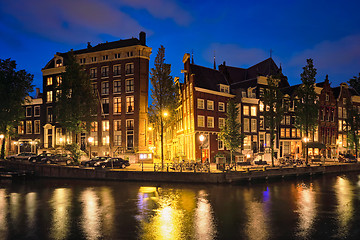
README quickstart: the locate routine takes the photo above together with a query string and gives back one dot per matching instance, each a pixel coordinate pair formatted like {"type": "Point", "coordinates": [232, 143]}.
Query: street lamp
{"type": "Point", "coordinates": [201, 138]}
{"type": "Point", "coordinates": [2, 147]}
{"type": "Point", "coordinates": [163, 115]}
{"type": "Point", "coordinates": [91, 140]}
{"type": "Point", "coordinates": [306, 140]}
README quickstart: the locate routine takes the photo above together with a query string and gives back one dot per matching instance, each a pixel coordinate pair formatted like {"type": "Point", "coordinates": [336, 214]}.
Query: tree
{"type": "Point", "coordinates": [230, 133]}
{"type": "Point", "coordinates": [274, 110]}
{"type": "Point", "coordinates": [355, 83]}
{"type": "Point", "coordinates": [76, 107]}
{"type": "Point", "coordinates": [14, 87]}
{"type": "Point", "coordinates": [163, 94]}
{"type": "Point", "coordinates": [352, 125]}
{"type": "Point", "coordinates": [306, 114]}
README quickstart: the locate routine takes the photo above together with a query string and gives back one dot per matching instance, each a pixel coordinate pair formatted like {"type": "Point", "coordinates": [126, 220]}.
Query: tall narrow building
{"type": "Point", "coordinates": [119, 75]}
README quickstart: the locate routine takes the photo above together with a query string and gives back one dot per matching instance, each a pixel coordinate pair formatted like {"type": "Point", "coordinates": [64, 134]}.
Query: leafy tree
{"type": "Point", "coordinates": [355, 83]}
{"type": "Point", "coordinates": [274, 108]}
{"type": "Point", "coordinates": [306, 106]}
{"type": "Point", "coordinates": [230, 133]}
{"type": "Point", "coordinates": [14, 87]}
{"type": "Point", "coordinates": [163, 94]}
{"type": "Point", "coordinates": [76, 107]}
{"type": "Point", "coordinates": [352, 125]}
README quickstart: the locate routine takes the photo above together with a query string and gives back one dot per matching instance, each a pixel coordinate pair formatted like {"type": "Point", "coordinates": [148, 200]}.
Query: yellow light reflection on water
{"type": "Point", "coordinates": [204, 219]}
{"type": "Point", "coordinates": [91, 214]}
{"type": "Point", "coordinates": [345, 208]}
{"type": "Point", "coordinates": [60, 204]}
{"type": "Point", "coordinates": [306, 208]}
{"type": "Point", "coordinates": [3, 213]}
{"type": "Point", "coordinates": [107, 208]}
{"type": "Point", "coordinates": [30, 208]}
{"type": "Point", "coordinates": [15, 208]}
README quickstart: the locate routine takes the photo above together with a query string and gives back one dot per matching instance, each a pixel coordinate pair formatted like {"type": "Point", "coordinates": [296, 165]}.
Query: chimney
{"type": "Point", "coordinates": [37, 93]}
{"type": "Point", "coordinates": [142, 38]}
{"type": "Point", "coordinates": [89, 45]}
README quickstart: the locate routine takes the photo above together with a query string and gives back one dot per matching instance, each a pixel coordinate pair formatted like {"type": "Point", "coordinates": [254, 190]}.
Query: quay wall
{"type": "Point", "coordinates": [54, 171]}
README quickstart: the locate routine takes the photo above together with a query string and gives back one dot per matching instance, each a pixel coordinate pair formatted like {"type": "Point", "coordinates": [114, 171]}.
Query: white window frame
{"type": "Point", "coordinates": [210, 105]}
{"type": "Point", "coordinates": [200, 119]}
{"type": "Point", "coordinates": [200, 103]}
{"type": "Point", "coordinates": [210, 122]}
{"type": "Point", "coordinates": [221, 107]}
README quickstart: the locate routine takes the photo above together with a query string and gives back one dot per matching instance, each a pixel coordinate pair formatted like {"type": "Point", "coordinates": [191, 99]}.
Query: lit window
{"type": "Point", "coordinates": [105, 125]}
{"type": "Point", "coordinates": [201, 121]}
{"type": "Point", "coordinates": [221, 107]}
{"type": "Point", "coordinates": [200, 103]}
{"type": "Point", "coordinates": [105, 88]}
{"type": "Point", "coordinates": [210, 122]}
{"type": "Point", "coordinates": [129, 68]}
{"type": "Point", "coordinates": [117, 105]}
{"type": "Point", "coordinates": [117, 125]}
{"type": "Point", "coordinates": [130, 85]}
{"type": "Point", "coordinates": [287, 132]}
{"type": "Point", "coordinates": [117, 70]}
{"type": "Point", "coordinates": [262, 123]}
{"type": "Point", "coordinates": [224, 88]}
{"type": "Point", "coordinates": [253, 111]}
{"type": "Point", "coordinates": [220, 144]}
{"type": "Point", "coordinates": [282, 132]}
{"type": "Point", "coordinates": [21, 128]}
{"type": "Point", "coordinates": [210, 105]}
{"type": "Point", "coordinates": [253, 125]}
{"type": "Point", "coordinates": [49, 81]}
{"type": "Point", "coordinates": [246, 110]}
{"type": "Point", "coordinates": [94, 127]}
{"type": "Point", "coordinates": [37, 126]}
{"type": "Point", "coordinates": [130, 104]}
{"type": "Point", "coordinates": [261, 106]}
{"type": "Point", "coordinates": [287, 120]}
{"type": "Point", "coordinates": [117, 139]}
{"type": "Point", "coordinates": [117, 86]}
{"type": "Point", "coordinates": [106, 140]}
{"type": "Point", "coordinates": [246, 125]}
{"type": "Point", "coordinates": [58, 63]}
{"type": "Point", "coordinates": [298, 133]}
{"type": "Point", "coordinates": [58, 80]}
{"type": "Point", "coordinates": [339, 112]}
{"type": "Point", "coordinates": [49, 96]}
{"type": "Point", "coordinates": [293, 132]}
{"type": "Point", "coordinates": [221, 122]}
{"type": "Point", "coordinates": [28, 127]}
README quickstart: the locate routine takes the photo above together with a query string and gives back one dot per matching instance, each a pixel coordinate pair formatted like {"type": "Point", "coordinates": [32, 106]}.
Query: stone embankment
{"type": "Point", "coordinates": [247, 174]}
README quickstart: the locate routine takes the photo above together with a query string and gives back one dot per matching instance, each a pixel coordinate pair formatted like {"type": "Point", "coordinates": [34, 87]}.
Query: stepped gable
{"type": "Point", "coordinates": [207, 78]}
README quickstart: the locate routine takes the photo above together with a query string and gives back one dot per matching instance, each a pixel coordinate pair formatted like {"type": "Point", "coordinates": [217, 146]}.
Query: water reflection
{"type": "Point", "coordinates": [174, 214]}
{"type": "Point", "coordinates": [90, 220]}
{"type": "Point", "coordinates": [3, 213]}
{"type": "Point", "coordinates": [15, 209]}
{"type": "Point", "coordinates": [345, 209]}
{"type": "Point", "coordinates": [107, 209]}
{"type": "Point", "coordinates": [306, 209]}
{"type": "Point", "coordinates": [60, 204]}
{"type": "Point", "coordinates": [30, 208]}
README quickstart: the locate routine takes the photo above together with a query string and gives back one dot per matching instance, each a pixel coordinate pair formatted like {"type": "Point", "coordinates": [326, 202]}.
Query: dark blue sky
{"type": "Point", "coordinates": [240, 32]}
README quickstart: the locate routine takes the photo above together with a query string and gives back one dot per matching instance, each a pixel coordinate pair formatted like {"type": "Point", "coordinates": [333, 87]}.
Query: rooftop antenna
{"type": "Point", "coordinates": [214, 61]}
{"type": "Point", "coordinates": [192, 56]}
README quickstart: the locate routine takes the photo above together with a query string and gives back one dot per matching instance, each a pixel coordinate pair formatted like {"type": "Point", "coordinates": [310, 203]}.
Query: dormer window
{"type": "Point", "coordinates": [105, 57]}
{"type": "Point", "coordinates": [82, 60]}
{"type": "Point", "coordinates": [58, 63]}
{"type": "Point", "coordinates": [117, 55]}
{"type": "Point", "coordinates": [224, 88]}
{"type": "Point", "coordinates": [93, 59]}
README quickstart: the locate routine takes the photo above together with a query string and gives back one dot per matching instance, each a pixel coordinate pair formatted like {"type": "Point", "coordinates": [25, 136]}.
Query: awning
{"type": "Point", "coordinates": [316, 145]}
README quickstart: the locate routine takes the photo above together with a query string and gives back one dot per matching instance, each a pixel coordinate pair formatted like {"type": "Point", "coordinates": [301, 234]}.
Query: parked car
{"type": "Point", "coordinates": [40, 157]}
{"type": "Point", "coordinates": [58, 158]}
{"type": "Point", "coordinates": [113, 162]}
{"type": "Point", "coordinates": [90, 163]}
{"type": "Point", "coordinates": [21, 156]}
{"type": "Point", "coordinates": [347, 158]}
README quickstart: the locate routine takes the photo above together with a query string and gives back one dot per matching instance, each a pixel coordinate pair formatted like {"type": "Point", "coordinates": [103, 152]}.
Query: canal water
{"type": "Point", "coordinates": [324, 207]}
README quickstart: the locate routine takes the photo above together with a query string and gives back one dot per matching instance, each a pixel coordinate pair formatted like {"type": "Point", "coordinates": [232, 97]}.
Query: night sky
{"type": "Point", "coordinates": [239, 32]}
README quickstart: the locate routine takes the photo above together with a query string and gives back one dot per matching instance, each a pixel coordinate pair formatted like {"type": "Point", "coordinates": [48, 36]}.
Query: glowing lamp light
{"type": "Point", "coordinates": [201, 138]}
{"type": "Point", "coordinates": [165, 114]}
{"type": "Point", "coordinates": [1, 136]}
{"type": "Point", "coordinates": [305, 139]}
{"type": "Point", "coordinates": [248, 156]}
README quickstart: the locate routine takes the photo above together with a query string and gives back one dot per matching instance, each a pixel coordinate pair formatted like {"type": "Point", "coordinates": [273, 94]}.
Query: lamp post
{"type": "Point", "coordinates": [91, 140]}
{"type": "Point", "coordinates": [2, 146]}
{"type": "Point", "coordinates": [306, 140]}
{"type": "Point", "coordinates": [201, 138]}
{"type": "Point", "coordinates": [163, 115]}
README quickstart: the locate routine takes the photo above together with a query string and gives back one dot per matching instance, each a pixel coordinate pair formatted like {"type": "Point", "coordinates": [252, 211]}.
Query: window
{"type": "Point", "coordinates": [117, 55]}
{"type": "Point", "coordinates": [21, 128]}
{"type": "Point", "coordinates": [261, 123]}
{"type": "Point", "coordinates": [117, 70]}
{"type": "Point", "coordinates": [201, 121]}
{"type": "Point", "coordinates": [210, 122]}
{"type": "Point", "coordinates": [224, 88]}
{"type": "Point", "coordinates": [37, 126]}
{"type": "Point", "coordinates": [94, 127]}
{"type": "Point", "coordinates": [28, 112]}
{"type": "Point", "coordinates": [117, 86]}
{"type": "Point", "coordinates": [246, 125]}
{"type": "Point", "coordinates": [130, 54]}
{"type": "Point", "coordinates": [105, 105]}
{"type": "Point", "coordinates": [49, 114]}
{"type": "Point", "coordinates": [129, 134]}
{"type": "Point", "coordinates": [37, 111]}
{"type": "Point", "coordinates": [130, 104]}
{"type": "Point", "coordinates": [130, 124]}
{"type": "Point", "coordinates": [105, 125]}
{"type": "Point", "coordinates": [220, 144]}
{"type": "Point", "coordinates": [58, 80]}
{"type": "Point", "coordinates": [105, 88]}
{"type": "Point", "coordinates": [246, 110]}
{"type": "Point", "coordinates": [106, 140]}
{"type": "Point", "coordinates": [344, 113]}
{"type": "Point", "coordinates": [221, 122]}
{"type": "Point", "coordinates": [261, 106]}
{"type": "Point", "coordinates": [210, 105]}
{"type": "Point", "coordinates": [253, 111]}
{"type": "Point", "coordinates": [105, 57]}
{"type": "Point", "coordinates": [282, 132]}
{"type": "Point", "coordinates": [340, 125]}
{"type": "Point", "coordinates": [253, 125]}
{"type": "Point", "coordinates": [57, 95]}
{"type": "Point", "coordinates": [340, 112]}
{"type": "Point", "coordinates": [129, 68]}
{"type": "Point", "coordinates": [247, 142]}
{"type": "Point", "coordinates": [298, 133]}
{"type": "Point", "coordinates": [287, 132]}
{"type": "Point", "coordinates": [117, 139]}
{"type": "Point", "coordinates": [200, 103]}
{"type": "Point", "coordinates": [117, 105]}
{"type": "Point", "coordinates": [293, 132]}
{"type": "Point", "coordinates": [58, 63]}
{"type": "Point", "coordinates": [82, 60]}
{"type": "Point", "coordinates": [105, 71]}
{"type": "Point", "coordinates": [94, 88]}
{"type": "Point", "coordinates": [221, 107]}
{"type": "Point", "coordinates": [287, 120]}
{"type": "Point", "coordinates": [93, 72]}
{"type": "Point", "coordinates": [117, 125]}
{"type": "Point", "coordinates": [49, 81]}
{"type": "Point", "coordinates": [28, 127]}
{"type": "Point", "coordinates": [129, 85]}
{"type": "Point", "coordinates": [49, 96]}
{"type": "Point", "coordinates": [93, 59]}
{"type": "Point", "coordinates": [243, 94]}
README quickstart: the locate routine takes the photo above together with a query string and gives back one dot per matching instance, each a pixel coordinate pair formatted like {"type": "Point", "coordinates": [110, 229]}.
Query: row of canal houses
{"type": "Point", "coordinates": [119, 75]}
